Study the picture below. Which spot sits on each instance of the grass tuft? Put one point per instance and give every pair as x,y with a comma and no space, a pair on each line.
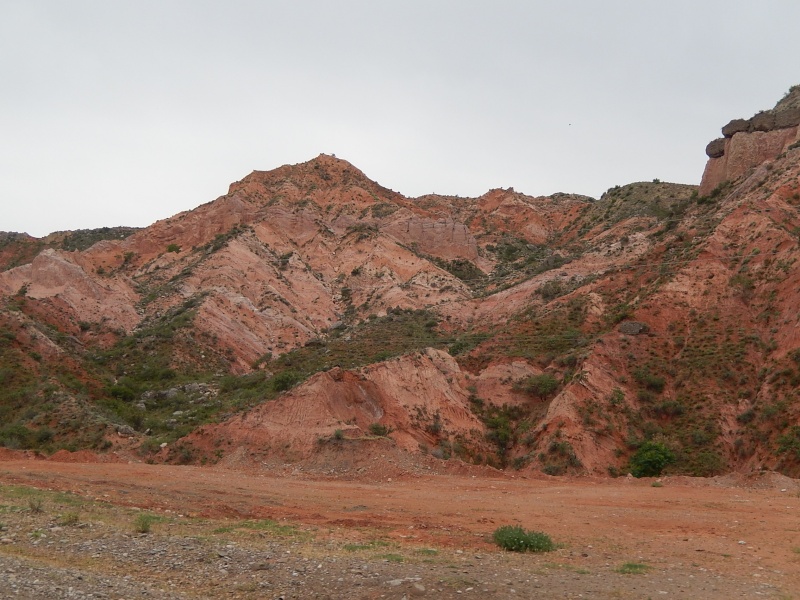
144,523
70,518
632,568
517,539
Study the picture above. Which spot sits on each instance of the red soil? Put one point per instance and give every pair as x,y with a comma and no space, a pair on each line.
738,527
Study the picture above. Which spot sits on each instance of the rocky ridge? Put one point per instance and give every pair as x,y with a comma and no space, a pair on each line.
311,308
747,143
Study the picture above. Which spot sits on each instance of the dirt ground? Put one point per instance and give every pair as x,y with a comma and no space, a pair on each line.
399,536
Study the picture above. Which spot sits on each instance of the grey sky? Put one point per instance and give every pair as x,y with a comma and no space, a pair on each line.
122,113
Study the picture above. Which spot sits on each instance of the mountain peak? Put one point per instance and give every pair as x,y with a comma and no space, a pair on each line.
323,171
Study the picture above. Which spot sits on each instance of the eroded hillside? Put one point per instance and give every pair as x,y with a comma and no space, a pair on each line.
311,310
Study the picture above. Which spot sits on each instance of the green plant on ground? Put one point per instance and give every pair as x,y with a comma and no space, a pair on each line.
649,380
379,429
632,568
35,505
271,527
790,442
366,545
540,385
466,342
143,523
501,425
285,381
462,268
81,239
650,459
70,518
516,539
391,557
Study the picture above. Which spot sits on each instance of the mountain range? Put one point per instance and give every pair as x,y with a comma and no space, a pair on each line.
311,316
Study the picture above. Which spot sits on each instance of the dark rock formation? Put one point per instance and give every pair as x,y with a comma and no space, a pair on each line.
633,328
785,114
748,143
763,121
716,148
735,126
787,118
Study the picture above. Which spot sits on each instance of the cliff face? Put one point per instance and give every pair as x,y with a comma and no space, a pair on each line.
747,143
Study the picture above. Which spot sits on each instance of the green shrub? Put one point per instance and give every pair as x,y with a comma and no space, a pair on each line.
550,290
540,385
465,343
650,459
16,436
35,505
143,523
790,442
652,382
122,392
669,408
70,518
517,539
173,248
285,380
380,429
706,464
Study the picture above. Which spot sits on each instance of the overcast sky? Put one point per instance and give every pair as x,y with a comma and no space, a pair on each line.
125,112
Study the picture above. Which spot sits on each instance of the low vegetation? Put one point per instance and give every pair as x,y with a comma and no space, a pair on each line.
144,523
650,459
516,539
632,568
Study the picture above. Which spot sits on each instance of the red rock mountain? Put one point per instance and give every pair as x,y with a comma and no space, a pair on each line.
311,311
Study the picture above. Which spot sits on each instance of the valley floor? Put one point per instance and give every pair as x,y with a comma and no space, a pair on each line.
79,530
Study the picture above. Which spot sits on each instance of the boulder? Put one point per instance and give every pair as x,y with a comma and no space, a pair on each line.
735,126
633,328
763,121
716,148
787,118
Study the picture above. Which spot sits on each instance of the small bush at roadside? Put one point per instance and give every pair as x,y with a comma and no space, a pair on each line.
143,523
650,459
70,518
517,539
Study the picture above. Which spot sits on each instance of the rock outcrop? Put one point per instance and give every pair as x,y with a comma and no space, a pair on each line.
747,143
